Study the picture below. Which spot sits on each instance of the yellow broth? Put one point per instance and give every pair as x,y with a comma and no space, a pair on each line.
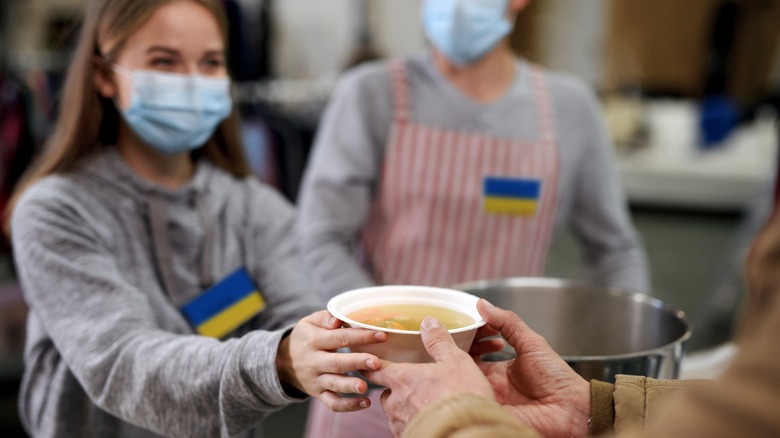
409,316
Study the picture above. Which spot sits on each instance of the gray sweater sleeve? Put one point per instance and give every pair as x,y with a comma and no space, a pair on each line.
103,328
278,261
341,177
613,251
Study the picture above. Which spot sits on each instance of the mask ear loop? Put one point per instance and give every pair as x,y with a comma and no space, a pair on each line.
121,70
102,63
118,69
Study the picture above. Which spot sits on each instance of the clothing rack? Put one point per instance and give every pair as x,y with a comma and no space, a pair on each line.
250,38
280,119
297,95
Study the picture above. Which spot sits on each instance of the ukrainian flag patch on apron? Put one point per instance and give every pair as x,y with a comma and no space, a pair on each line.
224,307
514,196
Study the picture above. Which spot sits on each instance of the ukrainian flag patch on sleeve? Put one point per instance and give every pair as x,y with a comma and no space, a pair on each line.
515,196
224,307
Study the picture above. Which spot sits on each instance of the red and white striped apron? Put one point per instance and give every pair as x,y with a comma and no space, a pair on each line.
427,225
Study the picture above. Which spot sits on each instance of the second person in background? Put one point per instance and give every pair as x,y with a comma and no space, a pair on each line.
455,165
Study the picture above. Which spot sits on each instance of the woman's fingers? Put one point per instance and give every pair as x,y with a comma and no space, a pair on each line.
342,384
343,338
324,319
347,337
343,404
387,374
340,363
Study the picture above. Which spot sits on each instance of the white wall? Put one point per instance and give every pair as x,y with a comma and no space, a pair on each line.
397,27
573,32
315,38
312,37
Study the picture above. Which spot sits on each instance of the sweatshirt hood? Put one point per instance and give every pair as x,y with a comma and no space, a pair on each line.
165,209
114,174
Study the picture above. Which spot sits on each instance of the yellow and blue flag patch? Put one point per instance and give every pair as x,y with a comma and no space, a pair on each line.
225,306
510,195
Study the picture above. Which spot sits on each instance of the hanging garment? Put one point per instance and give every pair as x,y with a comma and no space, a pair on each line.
17,146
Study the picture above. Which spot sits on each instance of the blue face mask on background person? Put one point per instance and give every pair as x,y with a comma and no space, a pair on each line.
465,30
175,113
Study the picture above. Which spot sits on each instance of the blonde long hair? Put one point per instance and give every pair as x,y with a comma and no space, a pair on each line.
88,122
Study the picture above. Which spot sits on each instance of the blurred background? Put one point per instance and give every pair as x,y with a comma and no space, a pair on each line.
690,93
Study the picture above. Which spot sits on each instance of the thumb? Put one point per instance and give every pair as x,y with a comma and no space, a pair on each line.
512,328
505,321
437,339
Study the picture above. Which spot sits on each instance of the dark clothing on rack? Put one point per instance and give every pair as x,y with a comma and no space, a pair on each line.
17,145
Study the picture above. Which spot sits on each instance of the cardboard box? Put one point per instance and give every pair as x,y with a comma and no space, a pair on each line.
665,46
755,49
526,37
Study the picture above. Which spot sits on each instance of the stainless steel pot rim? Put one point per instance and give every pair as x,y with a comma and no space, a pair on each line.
546,282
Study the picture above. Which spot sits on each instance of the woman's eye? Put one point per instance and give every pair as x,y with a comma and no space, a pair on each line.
213,65
162,62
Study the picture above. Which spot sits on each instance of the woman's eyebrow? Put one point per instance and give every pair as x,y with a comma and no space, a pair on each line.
162,49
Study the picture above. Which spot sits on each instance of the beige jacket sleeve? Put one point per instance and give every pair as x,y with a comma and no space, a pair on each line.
466,416
624,407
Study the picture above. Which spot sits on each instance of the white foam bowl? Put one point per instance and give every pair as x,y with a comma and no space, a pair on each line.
406,345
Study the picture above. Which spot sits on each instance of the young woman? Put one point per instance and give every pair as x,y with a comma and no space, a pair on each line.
164,288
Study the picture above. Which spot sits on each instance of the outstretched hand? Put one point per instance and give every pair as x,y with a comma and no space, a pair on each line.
538,387
307,360
413,387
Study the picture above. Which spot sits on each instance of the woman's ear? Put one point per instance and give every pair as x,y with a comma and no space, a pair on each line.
103,81
516,6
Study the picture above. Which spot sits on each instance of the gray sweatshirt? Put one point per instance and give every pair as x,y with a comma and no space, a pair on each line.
108,352
342,176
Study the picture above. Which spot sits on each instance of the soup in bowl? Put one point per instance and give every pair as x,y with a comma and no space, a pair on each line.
399,310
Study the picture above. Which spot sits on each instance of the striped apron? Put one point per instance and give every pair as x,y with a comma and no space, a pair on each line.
430,225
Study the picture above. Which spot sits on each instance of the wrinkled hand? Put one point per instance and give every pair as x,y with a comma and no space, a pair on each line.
538,387
307,360
413,387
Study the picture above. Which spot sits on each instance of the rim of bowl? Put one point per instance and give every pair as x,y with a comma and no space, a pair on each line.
332,302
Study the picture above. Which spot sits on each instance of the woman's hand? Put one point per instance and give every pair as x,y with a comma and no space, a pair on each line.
538,387
307,360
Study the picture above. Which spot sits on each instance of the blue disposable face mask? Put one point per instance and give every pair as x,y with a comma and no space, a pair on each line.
465,30
175,113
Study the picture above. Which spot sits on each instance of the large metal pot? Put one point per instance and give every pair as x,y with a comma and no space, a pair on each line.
599,332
